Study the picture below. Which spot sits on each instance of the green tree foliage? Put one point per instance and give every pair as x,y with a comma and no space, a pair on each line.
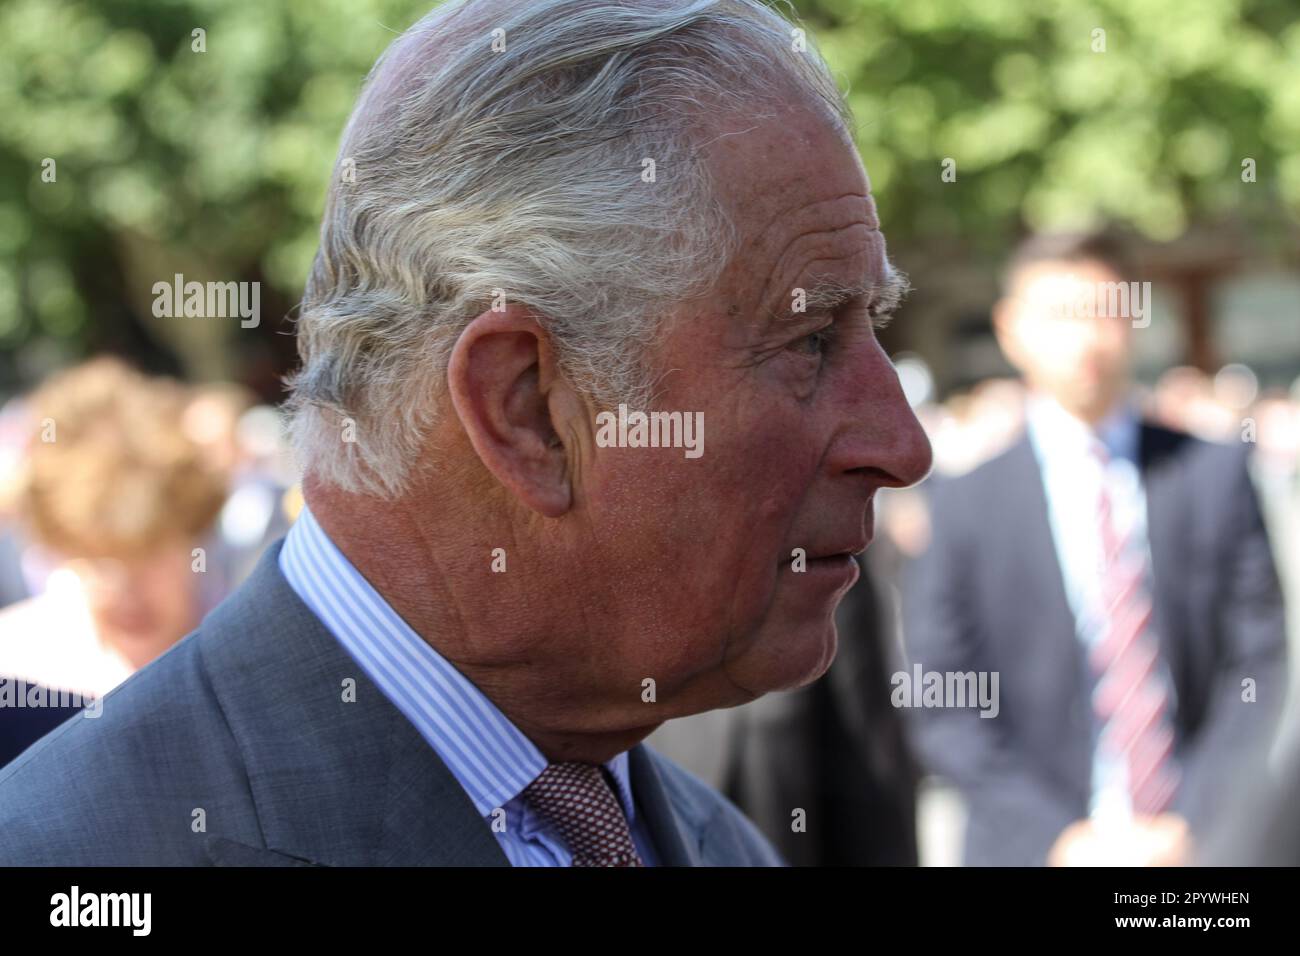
214,163
1059,113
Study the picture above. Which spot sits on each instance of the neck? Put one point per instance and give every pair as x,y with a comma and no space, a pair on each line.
432,563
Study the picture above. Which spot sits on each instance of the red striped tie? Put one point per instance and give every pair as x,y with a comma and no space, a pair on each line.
1130,698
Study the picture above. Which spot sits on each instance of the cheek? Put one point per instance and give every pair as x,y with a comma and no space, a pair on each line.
696,542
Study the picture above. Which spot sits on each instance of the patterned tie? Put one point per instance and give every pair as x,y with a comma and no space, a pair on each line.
577,800
1130,698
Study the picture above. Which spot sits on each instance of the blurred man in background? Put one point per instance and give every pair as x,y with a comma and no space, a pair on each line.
1116,575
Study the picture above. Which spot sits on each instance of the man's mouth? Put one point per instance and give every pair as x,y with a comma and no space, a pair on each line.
834,570
830,556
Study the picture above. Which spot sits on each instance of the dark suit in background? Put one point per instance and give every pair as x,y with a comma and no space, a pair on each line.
20,727
988,595
1263,827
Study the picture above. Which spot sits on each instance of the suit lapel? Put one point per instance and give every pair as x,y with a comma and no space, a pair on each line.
224,852
429,819
335,781
1156,449
1029,529
675,843
1157,455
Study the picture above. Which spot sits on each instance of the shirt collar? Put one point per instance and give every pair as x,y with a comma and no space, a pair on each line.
1059,436
489,756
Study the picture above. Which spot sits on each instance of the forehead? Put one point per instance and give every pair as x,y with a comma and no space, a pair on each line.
764,158
793,185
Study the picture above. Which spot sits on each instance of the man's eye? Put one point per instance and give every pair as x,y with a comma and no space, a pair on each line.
815,343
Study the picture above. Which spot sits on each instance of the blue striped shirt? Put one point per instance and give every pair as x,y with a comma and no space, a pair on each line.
491,758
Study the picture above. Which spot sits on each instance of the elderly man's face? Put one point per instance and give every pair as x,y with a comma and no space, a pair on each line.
803,421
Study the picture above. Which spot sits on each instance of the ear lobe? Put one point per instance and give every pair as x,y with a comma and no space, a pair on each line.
500,371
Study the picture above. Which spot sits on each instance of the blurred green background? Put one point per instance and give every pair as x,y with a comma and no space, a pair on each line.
214,164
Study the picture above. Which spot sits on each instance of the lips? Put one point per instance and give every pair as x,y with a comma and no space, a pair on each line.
852,550
829,545
830,573
832,553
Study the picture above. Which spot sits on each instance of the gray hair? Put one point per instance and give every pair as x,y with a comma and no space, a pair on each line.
469,173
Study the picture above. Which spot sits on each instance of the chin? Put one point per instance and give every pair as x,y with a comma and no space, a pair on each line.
792,659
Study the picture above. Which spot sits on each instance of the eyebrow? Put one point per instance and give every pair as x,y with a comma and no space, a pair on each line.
827,294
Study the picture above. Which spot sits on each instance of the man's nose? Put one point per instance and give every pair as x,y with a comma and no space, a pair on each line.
884,435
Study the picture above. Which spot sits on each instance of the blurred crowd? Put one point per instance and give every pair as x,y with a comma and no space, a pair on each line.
972,426
130,505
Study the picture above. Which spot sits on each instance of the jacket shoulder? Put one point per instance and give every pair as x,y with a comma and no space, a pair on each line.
127,781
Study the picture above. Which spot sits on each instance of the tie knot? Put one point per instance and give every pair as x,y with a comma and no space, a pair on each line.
577,800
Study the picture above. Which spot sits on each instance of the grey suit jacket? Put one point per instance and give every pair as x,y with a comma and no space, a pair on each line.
236,747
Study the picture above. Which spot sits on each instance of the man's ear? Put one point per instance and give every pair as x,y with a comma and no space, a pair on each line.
502,378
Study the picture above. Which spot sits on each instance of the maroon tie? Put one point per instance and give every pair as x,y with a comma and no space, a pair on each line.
1130,699
577,800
